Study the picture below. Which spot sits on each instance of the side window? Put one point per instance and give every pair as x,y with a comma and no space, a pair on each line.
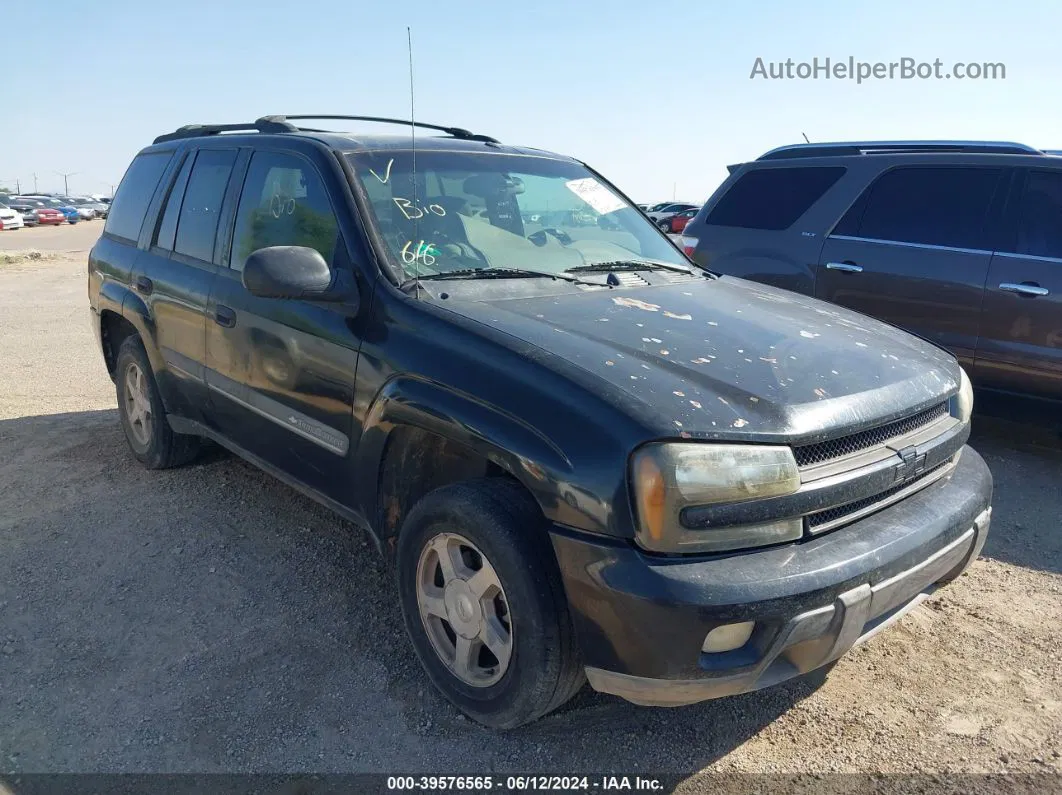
1040,227
167,230
130,203
934,206
284,203
773,198
197,224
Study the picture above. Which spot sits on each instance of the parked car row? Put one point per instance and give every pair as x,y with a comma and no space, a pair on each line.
45,209
670,217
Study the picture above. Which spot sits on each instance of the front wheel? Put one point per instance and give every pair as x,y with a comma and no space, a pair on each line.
484,605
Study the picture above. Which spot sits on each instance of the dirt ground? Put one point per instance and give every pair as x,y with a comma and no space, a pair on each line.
209,619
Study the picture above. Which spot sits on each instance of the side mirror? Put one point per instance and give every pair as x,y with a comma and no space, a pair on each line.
293,272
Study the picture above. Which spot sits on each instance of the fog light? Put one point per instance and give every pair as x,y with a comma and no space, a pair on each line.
728,637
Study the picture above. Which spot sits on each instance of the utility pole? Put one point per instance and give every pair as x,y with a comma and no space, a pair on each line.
34,182
66,177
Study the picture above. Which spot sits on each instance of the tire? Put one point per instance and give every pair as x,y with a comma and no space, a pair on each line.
503,524
143,416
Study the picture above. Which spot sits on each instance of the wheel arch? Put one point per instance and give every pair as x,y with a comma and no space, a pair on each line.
123,313
419,435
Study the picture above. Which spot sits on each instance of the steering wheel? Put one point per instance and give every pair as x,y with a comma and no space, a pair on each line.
541,237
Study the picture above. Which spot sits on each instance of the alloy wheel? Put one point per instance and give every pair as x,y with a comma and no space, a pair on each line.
464,610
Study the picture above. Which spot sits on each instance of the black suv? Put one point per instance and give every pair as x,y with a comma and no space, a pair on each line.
959,242
584,455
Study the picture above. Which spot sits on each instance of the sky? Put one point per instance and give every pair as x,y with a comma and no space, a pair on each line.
659,97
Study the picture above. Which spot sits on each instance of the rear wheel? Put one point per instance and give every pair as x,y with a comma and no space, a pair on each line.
484,605
142,414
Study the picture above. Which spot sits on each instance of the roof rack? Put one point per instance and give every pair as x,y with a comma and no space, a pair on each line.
456,132
897,147
282,124
266,124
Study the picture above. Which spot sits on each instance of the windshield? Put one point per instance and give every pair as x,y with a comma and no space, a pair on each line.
474,210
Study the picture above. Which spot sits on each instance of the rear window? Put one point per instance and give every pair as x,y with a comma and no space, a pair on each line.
134,194
772,198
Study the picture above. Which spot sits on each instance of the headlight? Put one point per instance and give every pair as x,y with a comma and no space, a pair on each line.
667,478
964,400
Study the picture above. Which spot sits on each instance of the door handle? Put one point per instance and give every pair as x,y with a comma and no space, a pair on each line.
144,285
224,316
846,267
1031,290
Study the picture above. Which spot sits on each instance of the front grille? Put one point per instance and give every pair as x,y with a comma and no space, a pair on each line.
811,454
817,521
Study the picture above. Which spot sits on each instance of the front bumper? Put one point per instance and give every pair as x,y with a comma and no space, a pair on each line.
641,620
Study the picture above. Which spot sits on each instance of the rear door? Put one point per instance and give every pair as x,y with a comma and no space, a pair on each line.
914,250
175,273
281,372
1020,348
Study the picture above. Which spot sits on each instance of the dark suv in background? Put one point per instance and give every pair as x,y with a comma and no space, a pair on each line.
958,242
586,457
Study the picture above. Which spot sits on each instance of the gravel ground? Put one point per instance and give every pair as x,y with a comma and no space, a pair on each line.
209,619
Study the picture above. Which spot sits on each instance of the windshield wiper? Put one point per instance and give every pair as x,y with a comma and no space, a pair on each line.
630,265
492,272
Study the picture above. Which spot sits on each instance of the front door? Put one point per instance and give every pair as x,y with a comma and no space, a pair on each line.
1020,348
281,372
914,251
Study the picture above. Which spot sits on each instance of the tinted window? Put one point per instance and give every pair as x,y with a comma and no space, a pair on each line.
134,194
197,225
284,203
168,227
772,198
934,206
1040,228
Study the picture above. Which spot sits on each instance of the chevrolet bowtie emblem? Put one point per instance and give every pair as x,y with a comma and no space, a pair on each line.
911,466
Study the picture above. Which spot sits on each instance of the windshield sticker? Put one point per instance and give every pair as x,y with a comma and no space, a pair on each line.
596,195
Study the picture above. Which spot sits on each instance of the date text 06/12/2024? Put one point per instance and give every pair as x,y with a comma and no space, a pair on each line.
522,783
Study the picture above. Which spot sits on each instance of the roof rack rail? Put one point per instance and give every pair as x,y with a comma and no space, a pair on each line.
897,147
456,132
282,124
266,124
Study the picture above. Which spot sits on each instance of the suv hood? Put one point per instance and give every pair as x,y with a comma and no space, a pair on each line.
728,358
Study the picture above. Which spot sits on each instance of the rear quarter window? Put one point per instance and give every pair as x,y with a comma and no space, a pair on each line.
773,198
131,201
